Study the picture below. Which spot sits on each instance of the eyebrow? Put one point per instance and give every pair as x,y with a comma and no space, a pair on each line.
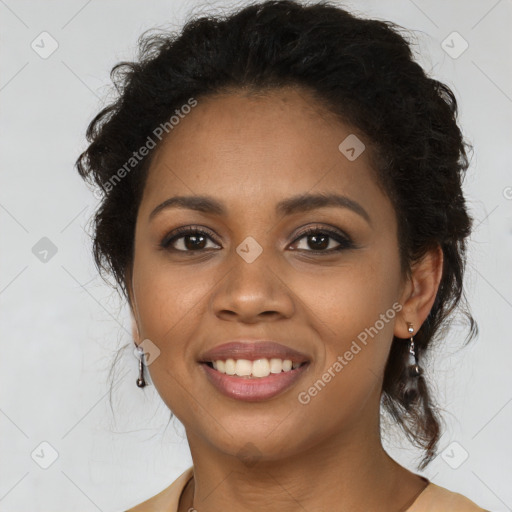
289,206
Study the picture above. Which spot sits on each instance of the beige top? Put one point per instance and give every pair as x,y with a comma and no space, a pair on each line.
432,499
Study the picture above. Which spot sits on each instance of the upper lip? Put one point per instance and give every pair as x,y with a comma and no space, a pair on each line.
252,350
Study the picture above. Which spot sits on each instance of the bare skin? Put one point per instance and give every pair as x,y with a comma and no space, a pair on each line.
250,153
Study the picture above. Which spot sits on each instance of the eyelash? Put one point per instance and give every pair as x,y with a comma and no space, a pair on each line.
344,241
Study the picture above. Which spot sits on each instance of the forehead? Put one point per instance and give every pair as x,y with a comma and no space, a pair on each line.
255,149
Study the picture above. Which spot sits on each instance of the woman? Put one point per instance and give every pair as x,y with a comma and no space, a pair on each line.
282,208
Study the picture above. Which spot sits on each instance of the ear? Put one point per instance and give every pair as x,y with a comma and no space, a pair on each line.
135,332
419,292
131,303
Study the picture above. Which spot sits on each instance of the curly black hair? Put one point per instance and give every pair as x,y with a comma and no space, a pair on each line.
363,72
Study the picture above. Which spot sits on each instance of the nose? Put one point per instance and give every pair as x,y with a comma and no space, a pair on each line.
252,292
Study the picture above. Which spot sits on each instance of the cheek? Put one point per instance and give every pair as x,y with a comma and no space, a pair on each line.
354,316
173,301
353,309
351,298
169,304
168,296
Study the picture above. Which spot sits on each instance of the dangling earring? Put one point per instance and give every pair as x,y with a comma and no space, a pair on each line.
410,389
413,369
140,381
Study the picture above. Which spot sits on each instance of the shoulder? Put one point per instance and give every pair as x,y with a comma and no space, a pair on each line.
167,499
435,498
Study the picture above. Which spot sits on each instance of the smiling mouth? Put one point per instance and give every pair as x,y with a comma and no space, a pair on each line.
254,369
253,380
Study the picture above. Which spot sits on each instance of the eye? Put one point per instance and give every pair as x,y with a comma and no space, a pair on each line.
194,239
319,239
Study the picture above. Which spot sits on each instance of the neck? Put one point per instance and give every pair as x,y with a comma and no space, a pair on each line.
348,471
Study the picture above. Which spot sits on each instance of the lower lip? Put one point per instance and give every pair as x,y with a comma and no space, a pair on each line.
253,389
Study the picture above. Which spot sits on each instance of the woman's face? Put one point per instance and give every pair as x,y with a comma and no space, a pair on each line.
255,275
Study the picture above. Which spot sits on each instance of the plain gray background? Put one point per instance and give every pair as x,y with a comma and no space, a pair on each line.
61,325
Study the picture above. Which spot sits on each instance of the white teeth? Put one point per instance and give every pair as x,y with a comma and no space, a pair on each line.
276,365
229,367
243,367
257,368
260,368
